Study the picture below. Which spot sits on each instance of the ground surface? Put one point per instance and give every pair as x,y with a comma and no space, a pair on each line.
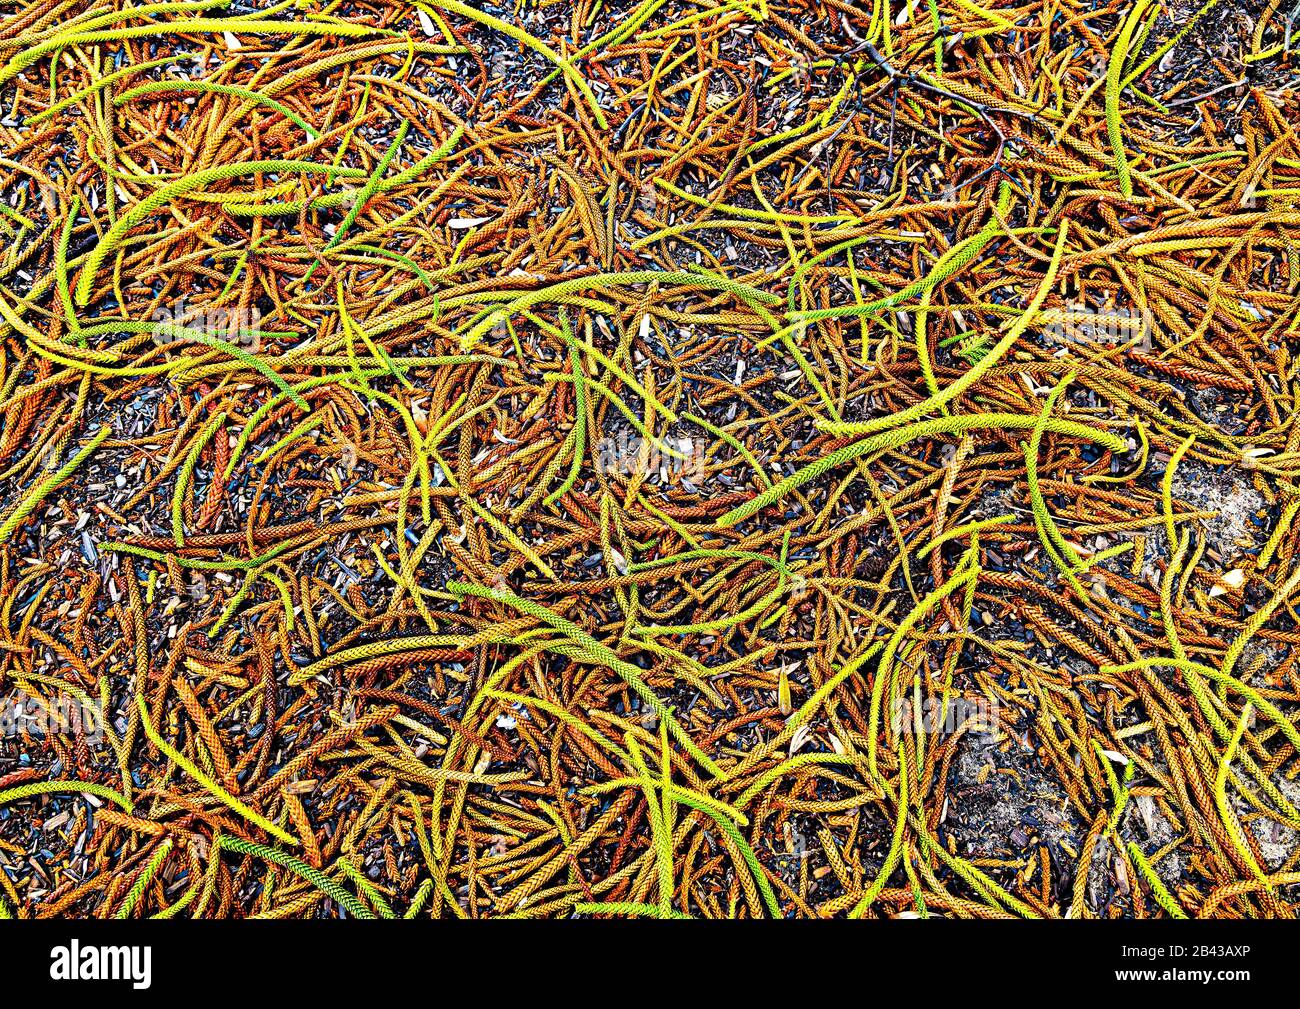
679,458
